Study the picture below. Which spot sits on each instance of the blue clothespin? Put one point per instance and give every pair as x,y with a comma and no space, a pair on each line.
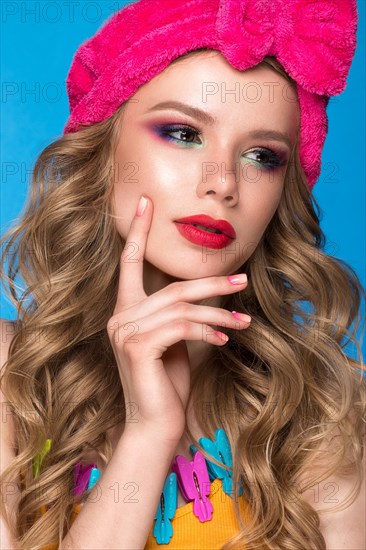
94,476
163,530
221,451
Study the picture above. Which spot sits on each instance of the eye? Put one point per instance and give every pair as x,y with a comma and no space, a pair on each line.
186,133
267,158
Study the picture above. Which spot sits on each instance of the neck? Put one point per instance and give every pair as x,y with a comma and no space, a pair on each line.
155,279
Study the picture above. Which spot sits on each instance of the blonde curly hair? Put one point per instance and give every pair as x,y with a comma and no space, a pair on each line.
283,389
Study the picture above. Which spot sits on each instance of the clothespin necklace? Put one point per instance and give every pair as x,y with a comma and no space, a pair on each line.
193,478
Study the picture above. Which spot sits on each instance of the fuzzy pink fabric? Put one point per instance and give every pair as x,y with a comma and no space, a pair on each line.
313,40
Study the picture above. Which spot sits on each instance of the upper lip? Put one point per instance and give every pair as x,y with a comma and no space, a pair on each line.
202,219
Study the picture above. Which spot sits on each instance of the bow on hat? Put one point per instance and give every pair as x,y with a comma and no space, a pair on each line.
314,41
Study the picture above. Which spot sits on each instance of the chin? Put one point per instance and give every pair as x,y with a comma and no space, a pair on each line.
189,271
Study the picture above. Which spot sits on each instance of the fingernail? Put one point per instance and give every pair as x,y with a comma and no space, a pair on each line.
221,335
238,279
242,316
141,206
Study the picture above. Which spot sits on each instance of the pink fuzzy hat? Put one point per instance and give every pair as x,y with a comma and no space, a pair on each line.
313,40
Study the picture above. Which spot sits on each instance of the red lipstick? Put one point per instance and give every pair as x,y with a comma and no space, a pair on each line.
207,231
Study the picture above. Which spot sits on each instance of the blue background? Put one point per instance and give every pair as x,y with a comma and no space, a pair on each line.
39,40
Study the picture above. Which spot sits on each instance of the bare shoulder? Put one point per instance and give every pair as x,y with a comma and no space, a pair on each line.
7,434
343,528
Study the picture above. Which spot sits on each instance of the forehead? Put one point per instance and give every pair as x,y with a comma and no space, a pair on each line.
206,80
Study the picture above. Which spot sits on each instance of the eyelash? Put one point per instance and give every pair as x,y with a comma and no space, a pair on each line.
275,159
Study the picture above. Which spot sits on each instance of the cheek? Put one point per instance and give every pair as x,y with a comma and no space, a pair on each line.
124,201
259,209
269,208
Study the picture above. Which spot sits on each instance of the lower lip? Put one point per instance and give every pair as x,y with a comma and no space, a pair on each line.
199,236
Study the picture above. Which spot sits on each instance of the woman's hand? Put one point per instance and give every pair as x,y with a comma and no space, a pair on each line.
143,328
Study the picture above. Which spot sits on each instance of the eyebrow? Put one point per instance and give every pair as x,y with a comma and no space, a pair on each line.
210,120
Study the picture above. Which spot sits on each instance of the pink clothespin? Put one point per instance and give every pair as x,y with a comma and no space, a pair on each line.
194,483
81,477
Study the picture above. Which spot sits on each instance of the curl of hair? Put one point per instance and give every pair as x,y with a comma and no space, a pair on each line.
283,389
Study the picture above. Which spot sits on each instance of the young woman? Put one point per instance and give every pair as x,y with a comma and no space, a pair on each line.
163,384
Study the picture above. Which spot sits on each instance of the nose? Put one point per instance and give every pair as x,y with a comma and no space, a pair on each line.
220,178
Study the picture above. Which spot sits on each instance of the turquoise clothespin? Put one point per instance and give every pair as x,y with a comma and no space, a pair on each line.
163,530
221,451
94,476
37,461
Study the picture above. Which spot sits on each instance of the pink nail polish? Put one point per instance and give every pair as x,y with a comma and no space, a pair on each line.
242,316
141,206
238,279
221,335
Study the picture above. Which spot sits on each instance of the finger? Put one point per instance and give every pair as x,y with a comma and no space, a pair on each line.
198,314
156,342
190,291
130,284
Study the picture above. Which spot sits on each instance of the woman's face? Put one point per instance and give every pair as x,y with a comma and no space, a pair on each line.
203,158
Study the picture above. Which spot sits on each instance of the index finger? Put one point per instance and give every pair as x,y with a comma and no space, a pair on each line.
131,284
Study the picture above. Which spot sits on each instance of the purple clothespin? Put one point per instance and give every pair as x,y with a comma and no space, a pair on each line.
194,483
81,477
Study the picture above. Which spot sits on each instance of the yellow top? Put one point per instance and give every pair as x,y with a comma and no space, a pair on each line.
189,532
